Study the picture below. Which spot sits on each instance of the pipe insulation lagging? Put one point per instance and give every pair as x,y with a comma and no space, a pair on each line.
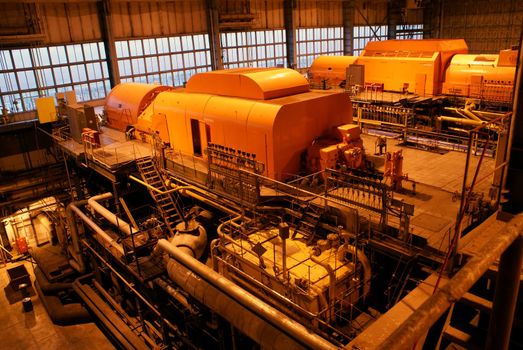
110,216
261,322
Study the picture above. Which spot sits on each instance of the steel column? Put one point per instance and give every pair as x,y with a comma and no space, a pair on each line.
348,27
507,286
290,32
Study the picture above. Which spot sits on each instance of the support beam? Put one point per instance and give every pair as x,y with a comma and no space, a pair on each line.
290,32
505,299
106,28
394,17
348,27
213,27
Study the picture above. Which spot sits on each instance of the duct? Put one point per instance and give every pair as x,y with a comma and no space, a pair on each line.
175,294
362,258
261,322
100,209
116,247
78,262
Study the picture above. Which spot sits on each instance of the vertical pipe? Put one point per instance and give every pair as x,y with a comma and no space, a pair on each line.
290,32
393,18
507,287
348,27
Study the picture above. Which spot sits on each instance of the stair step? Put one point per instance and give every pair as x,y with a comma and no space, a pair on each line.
477,302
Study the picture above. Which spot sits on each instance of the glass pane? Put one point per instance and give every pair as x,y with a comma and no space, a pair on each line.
138,66
78,73
5,60
42,56
135,47
149,46
61,75
74,52
22,58
94,71
151,64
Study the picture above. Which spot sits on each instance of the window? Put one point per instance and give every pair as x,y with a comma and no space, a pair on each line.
409,31
168,60
364,34
26,74
262,48
314,42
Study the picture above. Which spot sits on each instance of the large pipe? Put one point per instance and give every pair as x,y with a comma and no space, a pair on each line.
78,262
362,258
101,233
261,322
100,209
406,336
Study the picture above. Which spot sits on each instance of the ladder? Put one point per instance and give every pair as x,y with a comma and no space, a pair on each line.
168,203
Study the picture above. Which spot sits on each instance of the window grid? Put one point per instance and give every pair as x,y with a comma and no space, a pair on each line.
313,42
26,74
262,48
167,60
409,31
364,34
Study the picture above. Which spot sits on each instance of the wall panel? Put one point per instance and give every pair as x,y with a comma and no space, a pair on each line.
486,26
70,22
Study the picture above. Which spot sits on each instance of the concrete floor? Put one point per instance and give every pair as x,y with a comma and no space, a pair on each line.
34,330
437,177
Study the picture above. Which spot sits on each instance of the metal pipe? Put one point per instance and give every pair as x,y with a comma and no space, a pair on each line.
406,336
461,121
506,296
266,325
101,233
78,262
154,188
100,209
332,283
362,258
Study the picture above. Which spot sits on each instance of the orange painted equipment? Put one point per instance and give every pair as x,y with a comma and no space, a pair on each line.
393,171
251,83
482,76
331,69
277,130
126,101
409,65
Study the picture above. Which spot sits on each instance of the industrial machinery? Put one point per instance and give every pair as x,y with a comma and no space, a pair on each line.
416,87
255,221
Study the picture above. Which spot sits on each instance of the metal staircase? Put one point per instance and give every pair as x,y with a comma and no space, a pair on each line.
167,202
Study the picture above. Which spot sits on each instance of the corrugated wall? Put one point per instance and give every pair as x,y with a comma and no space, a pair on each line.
70,22
158,18
486,25
268,14
319,14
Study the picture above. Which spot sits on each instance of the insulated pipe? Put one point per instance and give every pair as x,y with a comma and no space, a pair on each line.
406,335
462,121
101,233
261,322
332,283
100,209
362,258
77,262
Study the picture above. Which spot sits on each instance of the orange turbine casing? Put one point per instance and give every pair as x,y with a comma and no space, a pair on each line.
277,130
126,101
416,64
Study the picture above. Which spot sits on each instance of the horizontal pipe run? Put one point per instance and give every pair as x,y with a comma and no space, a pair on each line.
406,336
111,217
101,233
291,328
